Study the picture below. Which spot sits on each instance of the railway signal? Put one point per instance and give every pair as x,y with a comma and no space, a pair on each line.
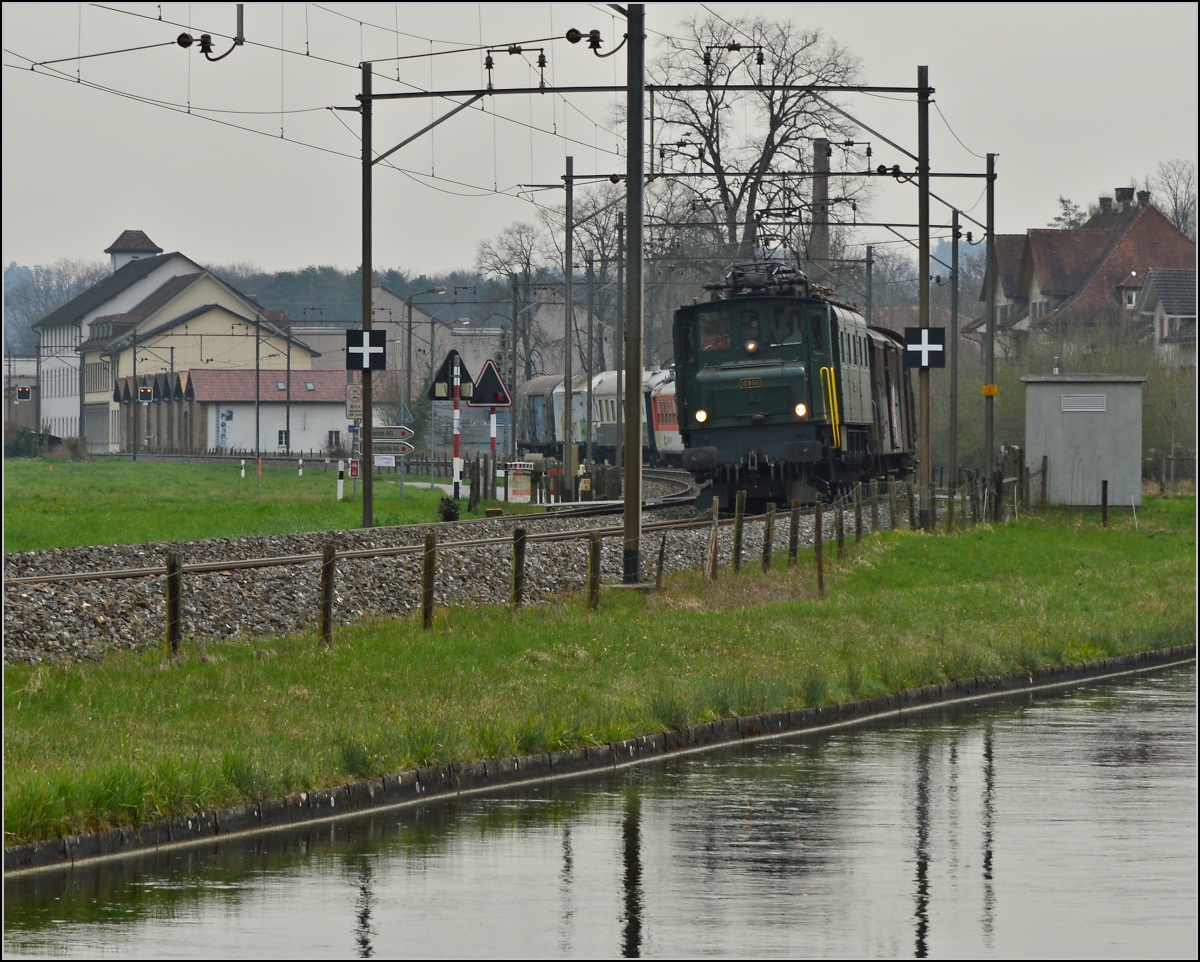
490,392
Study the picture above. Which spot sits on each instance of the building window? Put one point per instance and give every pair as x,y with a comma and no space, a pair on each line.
1130,298
283,439
335,440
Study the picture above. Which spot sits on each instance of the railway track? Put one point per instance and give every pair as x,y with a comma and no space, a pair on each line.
680,488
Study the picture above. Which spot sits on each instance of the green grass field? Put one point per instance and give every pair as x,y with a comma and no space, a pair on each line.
61,504
143,736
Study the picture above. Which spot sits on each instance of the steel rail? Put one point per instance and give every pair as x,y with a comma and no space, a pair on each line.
352,554
361,554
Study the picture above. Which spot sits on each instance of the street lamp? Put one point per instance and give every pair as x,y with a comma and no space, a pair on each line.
406,411
408,353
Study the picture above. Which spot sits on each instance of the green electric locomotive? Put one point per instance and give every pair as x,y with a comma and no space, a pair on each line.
786,393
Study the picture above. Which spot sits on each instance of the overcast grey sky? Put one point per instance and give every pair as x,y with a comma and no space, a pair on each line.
1074,98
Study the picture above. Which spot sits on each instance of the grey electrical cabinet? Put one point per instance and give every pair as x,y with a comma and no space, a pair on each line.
1089,429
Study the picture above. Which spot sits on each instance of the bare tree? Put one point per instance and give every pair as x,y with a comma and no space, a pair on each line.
517,255
30,293
1173,186
748,142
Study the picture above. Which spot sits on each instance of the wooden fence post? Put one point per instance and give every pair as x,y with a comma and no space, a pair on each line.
328,576
891,486
429,571
874,507
594,570
739,517
518,568
768,538
912,507
1045,479
858,514
1104,503
794,535
819,546
662,558
839,527
173,586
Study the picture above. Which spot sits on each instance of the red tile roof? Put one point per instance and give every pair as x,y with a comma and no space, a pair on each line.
1061,260
1150,241
217,386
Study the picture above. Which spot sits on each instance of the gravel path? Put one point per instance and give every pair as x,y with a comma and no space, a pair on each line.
83,621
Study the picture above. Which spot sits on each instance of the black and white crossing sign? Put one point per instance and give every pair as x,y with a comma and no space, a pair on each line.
924,347
490,389
366,350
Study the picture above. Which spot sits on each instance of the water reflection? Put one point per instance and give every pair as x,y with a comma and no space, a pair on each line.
882,841
989,787
631,848
363,932
922,913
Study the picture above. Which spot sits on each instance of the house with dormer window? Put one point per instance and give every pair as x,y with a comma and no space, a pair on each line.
1087,275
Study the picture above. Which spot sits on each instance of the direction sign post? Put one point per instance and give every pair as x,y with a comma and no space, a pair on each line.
393,439
401,448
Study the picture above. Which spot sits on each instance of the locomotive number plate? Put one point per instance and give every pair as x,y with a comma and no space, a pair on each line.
750,382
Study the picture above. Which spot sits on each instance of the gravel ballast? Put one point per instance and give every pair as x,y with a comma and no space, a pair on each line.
85,620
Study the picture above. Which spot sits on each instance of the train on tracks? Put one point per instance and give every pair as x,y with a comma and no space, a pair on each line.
786,393
541,403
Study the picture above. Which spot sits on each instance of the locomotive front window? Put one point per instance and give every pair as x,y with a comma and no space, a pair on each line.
714,332
815,321
784,326
750,331
686,342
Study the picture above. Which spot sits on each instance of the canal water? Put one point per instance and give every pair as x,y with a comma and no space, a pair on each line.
1060,825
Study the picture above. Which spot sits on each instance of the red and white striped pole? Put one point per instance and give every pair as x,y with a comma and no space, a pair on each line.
341,480
492,426
457,392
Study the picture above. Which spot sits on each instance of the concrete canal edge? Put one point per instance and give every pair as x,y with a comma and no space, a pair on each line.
458,778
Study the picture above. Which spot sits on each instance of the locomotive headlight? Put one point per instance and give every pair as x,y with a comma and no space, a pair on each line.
801,410
751,346
701,416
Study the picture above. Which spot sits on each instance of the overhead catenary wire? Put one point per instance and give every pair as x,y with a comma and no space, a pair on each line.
356,67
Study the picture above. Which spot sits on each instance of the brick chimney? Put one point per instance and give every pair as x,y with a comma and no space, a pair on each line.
1143,198
1105,205
1124,198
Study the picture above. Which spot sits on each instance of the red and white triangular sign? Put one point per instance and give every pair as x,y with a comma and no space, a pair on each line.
490,389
